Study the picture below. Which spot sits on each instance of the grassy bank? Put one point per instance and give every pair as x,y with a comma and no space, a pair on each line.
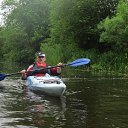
110,62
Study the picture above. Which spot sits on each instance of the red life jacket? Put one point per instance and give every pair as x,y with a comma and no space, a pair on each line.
38,65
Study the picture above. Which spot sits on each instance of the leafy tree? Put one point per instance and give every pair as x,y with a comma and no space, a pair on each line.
27,24
14,39
106,8
76,21
115,29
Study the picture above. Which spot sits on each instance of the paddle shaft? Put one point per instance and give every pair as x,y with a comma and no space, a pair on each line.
2,76
13,74
78,62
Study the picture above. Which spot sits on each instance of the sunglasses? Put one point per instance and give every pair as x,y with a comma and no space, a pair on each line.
41,56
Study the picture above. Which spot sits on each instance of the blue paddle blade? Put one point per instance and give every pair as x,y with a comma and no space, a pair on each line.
2,76
79,62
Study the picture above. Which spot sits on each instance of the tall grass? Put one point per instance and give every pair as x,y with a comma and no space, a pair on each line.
53,53
108,62
112,62
64,53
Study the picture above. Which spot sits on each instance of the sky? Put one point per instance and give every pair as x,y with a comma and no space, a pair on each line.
0,1
0,4
0,12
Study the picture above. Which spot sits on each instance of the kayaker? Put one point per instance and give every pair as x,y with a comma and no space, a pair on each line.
38,65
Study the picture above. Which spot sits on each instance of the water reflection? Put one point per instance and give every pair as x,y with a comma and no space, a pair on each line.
20,107
97,102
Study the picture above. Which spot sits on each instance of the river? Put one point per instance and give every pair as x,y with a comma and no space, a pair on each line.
90,101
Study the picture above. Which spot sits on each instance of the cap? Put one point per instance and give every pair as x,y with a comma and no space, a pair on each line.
39,54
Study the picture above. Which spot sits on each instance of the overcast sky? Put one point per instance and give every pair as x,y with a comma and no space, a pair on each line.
0,12
1,1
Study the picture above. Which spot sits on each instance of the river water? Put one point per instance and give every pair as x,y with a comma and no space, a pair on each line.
90,101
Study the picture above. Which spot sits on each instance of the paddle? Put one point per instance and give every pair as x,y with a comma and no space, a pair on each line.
78,62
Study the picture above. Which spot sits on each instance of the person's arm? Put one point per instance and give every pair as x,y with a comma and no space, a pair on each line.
25,73
24,76
57,70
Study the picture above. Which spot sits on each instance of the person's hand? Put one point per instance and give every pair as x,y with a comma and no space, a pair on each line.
23,71
59,67
60,64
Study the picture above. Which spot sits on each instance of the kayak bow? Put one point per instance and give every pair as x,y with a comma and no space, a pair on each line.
50,85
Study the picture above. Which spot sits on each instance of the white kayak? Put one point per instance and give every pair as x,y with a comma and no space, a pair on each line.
50,85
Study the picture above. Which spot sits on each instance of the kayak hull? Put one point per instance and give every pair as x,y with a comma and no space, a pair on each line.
47,84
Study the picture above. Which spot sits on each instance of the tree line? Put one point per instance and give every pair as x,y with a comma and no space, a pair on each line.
66,30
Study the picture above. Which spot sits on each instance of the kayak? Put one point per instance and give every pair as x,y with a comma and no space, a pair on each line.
50,85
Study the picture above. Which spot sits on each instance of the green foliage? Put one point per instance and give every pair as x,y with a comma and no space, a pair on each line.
60,16
78,19
115,29
107,8
14,48
53,53
66,30
26,26
58,52
111,62
64,53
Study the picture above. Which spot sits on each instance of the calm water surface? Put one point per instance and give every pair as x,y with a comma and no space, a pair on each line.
89,102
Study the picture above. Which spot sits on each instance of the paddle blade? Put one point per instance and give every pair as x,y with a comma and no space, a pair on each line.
79,62
2,77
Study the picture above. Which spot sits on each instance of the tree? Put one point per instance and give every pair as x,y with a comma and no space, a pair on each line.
115,29
27,24
76,21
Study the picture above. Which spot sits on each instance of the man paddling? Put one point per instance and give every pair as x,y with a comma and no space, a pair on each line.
40,68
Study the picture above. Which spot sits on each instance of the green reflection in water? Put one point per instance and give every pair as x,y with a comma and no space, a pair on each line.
90,102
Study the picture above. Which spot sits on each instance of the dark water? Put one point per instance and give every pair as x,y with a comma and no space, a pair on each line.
90,101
